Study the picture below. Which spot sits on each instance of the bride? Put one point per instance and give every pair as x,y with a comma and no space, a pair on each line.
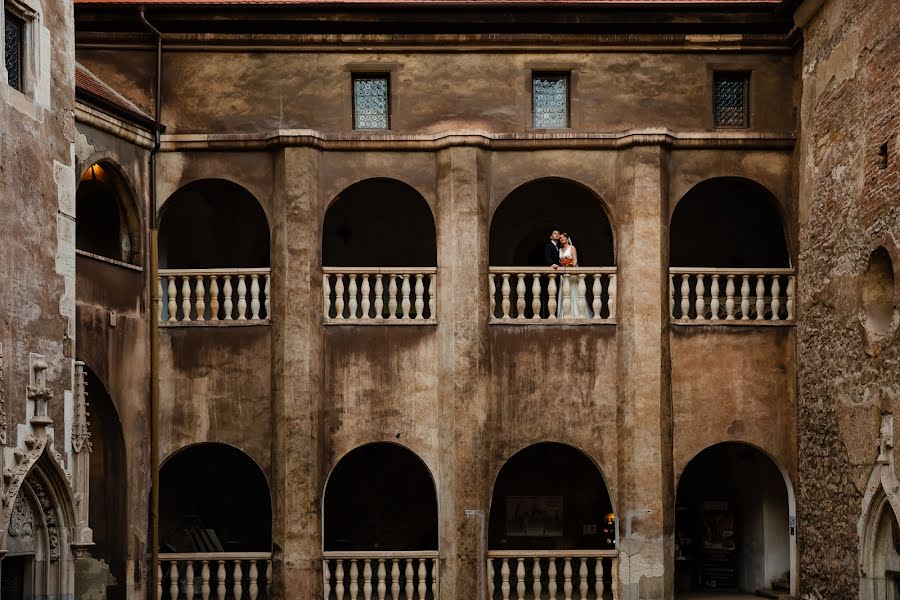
568,257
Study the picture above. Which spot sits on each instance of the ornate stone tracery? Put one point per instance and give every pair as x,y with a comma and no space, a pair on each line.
22,520
2,402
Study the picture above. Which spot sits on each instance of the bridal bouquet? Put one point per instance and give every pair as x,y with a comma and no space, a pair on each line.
567,262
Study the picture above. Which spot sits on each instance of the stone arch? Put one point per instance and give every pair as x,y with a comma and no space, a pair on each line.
728,222
879,524
192,518
521,223
399,513
213,223
741,484
108,218
379,222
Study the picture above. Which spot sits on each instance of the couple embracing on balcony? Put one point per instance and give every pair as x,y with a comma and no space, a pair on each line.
561,252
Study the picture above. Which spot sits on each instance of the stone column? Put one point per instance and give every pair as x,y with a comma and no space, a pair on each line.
463,490
296,373
645,497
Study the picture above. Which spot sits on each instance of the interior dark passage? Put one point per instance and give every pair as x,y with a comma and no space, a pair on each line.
380,497
106,222
213,224
550,497
731,522
728,222
108,484
522,224
194,515
379,223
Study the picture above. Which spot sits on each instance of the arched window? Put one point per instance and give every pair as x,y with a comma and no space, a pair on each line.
880,550
193,516
732,528
397,512
526,246
108,516
550,508
379,254
107,221
728,254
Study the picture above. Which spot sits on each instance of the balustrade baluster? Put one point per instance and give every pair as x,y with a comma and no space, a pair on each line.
381,588
189,580
366,304
367,580
745,297
173,580
339,580
729,298
776,298
520,578
229,305
435,578
268,574
551,579
581,296
204,580
253,587
566,296
536,578
615,581
520,296
404,304
567,579
159,580
504,290
354,580
214,298
186,298
432,295
420,297
611,292
200,303
173,304
254,297
536,296
790,298
238,576
392,297
504,579
423,575
714,302
583,579
326,576
408,574
266,292
242,297
395,579
685,296
598,578
597,290
352,291
379,296
551,296
220,580
671,295
326,294
700,301
760,298
339,296
159,297
490,578
492,287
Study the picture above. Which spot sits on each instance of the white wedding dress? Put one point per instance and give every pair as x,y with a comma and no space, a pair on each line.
575,311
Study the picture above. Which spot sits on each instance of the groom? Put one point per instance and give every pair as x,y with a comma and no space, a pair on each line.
551,250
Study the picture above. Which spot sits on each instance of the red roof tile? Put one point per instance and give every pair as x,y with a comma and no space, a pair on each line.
86,83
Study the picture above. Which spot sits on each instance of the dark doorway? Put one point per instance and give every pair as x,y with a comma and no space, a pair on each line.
107,223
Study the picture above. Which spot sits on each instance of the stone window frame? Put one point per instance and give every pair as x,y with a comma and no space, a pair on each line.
30,17
363,73
747,71
536,71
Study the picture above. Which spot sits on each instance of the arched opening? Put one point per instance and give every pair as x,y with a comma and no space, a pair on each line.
108,504
522,224
878,290
527,232
379,253
107,221
213,224
880,568
732,524
27,548
397,511
379,223
193,514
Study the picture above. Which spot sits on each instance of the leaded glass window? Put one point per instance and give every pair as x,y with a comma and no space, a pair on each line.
551,101
13,46
730,99
371,102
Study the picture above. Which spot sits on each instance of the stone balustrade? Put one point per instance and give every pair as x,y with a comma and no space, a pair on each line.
552,574
567,295
375,296
214,295
379,575
733,296
214,575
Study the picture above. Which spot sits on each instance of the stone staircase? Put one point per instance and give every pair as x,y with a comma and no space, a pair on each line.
779,589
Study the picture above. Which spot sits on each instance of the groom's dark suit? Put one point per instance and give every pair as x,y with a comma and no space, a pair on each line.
551,254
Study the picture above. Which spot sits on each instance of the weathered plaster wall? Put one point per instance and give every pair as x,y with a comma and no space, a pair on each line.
848,206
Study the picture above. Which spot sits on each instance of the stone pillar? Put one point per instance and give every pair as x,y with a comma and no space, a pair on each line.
462,312
296,373
645,504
